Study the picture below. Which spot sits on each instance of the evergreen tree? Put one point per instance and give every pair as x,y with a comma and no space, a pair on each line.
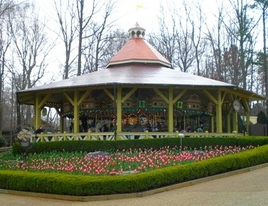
262,118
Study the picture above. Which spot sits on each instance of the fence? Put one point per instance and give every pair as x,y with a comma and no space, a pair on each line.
110,136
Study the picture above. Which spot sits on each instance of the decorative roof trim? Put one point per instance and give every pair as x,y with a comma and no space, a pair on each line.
141,61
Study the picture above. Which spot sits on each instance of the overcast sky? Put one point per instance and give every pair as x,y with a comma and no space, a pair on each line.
148,11
127,14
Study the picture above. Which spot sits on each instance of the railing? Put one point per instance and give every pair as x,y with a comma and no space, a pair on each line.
4,149
124,135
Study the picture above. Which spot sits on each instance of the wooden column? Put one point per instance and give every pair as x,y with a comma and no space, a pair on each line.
62,124
119,109
235,122
219,113
76,102
247,109
170,110
37,112
212,124
228,123
76,112
229,115
39,104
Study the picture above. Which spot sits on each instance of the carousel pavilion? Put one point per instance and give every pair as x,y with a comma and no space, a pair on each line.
140,91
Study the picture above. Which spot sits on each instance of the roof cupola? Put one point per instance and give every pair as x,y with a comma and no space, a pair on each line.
136,32
138,51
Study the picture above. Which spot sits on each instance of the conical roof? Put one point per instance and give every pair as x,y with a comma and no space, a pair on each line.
138,50
137,63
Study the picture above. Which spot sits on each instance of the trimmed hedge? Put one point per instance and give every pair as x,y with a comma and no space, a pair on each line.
81,185
91,146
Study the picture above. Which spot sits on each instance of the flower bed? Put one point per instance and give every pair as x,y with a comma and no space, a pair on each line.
114,163
68,183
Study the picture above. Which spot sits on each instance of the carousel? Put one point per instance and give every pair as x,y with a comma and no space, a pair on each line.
139,91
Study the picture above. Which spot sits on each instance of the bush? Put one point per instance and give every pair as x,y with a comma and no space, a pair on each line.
80,185
91,146
3,142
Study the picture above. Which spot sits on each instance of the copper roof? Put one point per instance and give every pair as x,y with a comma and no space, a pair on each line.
138,50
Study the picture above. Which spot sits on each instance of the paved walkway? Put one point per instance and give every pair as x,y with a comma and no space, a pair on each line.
243,188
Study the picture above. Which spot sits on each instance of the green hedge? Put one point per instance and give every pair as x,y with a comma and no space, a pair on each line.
80,185
90,146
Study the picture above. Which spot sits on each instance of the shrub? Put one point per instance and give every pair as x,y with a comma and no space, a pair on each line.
3,141
80,185
91,146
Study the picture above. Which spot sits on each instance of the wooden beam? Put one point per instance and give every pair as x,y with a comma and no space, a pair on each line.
83,97
39,104
129,94
212,98
109,94
179,96
161,95
42,102
68,98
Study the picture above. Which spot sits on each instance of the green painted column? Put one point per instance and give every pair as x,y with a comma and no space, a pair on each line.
170,110
247,123
247,109
76,112
37,112
39,104
236,121
119,109
61,124
62,120
219,113
212,124
228,123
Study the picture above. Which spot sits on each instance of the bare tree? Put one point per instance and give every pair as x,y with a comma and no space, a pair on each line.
233,44
68,31
240,32
97,55
30,49
6,7
198,42
114,42
263,5
83,23
185,47
165,40
231,61
215,38
96,41
174,39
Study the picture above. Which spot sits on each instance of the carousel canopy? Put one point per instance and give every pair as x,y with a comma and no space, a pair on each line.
137,63
141,74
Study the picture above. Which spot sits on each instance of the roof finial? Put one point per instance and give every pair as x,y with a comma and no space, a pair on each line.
137,31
